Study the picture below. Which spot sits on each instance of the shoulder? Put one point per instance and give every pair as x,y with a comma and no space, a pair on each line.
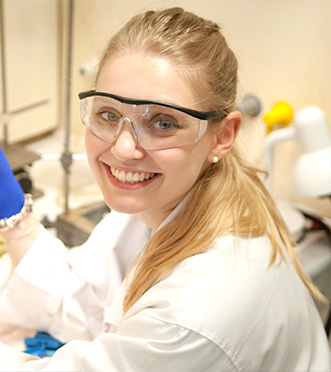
230,296
217,285
233,271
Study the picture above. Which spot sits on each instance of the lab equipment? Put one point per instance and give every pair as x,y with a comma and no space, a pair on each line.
312,176
313,170
280,115
89,69
250,105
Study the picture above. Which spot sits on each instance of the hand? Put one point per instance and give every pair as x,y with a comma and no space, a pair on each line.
11,194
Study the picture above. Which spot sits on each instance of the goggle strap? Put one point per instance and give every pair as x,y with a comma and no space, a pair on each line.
197,114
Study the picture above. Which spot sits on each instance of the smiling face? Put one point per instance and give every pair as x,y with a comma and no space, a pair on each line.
132,179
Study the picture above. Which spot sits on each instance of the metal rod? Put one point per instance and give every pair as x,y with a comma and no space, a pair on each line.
66,156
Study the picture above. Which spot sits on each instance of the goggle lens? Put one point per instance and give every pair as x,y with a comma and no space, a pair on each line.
154,126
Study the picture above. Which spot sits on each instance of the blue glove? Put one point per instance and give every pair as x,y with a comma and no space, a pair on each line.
11,194
42,345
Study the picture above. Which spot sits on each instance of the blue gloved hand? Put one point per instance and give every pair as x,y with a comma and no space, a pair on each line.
11,194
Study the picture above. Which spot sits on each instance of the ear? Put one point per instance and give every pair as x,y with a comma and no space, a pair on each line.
225,134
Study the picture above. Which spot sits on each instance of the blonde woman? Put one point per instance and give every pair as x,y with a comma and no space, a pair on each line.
194,269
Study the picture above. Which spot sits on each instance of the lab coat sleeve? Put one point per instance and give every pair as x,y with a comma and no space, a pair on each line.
59,291
142,344
12,360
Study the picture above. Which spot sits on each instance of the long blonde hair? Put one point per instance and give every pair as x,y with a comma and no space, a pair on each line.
229,198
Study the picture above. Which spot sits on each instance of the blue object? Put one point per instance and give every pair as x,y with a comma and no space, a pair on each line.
11,194
42,345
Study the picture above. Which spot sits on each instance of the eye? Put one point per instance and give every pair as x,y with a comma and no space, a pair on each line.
109,115
164,123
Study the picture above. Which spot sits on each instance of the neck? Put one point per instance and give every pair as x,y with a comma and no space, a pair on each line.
153,218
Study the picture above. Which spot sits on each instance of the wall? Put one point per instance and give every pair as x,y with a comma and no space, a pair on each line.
29,80
284,52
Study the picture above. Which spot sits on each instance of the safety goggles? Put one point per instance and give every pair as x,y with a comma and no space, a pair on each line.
155,125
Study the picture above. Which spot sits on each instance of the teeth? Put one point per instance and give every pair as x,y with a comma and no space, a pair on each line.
131,177
141,176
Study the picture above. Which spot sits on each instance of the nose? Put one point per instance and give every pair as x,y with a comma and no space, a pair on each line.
126,145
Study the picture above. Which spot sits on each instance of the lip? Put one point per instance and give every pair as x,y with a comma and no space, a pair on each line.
129,186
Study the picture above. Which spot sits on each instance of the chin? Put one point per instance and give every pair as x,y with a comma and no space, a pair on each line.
126,205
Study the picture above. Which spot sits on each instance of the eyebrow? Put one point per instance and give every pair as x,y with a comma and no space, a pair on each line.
202,115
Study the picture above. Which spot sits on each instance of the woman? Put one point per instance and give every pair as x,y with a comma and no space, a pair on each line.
193,270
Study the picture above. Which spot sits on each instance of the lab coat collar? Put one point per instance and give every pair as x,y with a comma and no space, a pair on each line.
114,312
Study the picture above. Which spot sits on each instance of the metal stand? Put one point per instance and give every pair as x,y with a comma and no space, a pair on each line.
66,157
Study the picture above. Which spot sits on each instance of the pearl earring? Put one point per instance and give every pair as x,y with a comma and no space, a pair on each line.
215,159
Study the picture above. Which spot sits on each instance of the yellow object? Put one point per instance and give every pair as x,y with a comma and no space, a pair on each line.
281,114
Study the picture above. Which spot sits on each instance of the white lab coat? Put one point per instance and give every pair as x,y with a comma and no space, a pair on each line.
222,310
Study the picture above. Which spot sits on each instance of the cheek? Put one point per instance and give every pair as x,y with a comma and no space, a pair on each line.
90,142
94,146
201,152
184,163
171,160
